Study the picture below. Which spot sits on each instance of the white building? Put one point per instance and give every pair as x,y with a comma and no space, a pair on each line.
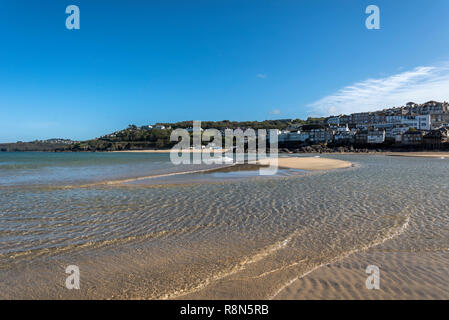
334,121
397,133
286,136
343,129
417,122
321,135
344,136
376,137
393,118
191,129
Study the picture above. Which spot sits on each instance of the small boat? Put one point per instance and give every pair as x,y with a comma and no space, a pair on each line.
228,160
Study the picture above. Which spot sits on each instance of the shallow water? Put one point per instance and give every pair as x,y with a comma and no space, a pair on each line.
221,238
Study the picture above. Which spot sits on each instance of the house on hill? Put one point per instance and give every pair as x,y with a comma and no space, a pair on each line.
413,137
435,138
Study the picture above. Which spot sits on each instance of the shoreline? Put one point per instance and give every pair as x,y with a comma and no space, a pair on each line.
169,150
435,154
418,154
301,163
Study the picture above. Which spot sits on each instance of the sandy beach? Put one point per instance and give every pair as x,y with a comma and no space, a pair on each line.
414,264
302,163
170,150
309,163
420,154
403,275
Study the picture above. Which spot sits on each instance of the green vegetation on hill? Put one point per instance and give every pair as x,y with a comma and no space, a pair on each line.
140,138
34,146
226,124
131,138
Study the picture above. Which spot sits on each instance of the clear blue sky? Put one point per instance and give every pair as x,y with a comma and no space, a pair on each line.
160,61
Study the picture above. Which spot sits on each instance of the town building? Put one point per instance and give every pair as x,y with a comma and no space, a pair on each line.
344,136
397,132
411,124
435,138
375,137
321,135
334,121
413,137
419,122
361,137
294,127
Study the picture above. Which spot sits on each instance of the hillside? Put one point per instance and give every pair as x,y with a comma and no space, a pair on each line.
144,137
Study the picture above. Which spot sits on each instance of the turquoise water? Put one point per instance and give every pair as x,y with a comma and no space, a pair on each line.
25,168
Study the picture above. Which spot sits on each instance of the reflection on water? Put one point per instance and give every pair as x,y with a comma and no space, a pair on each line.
244,234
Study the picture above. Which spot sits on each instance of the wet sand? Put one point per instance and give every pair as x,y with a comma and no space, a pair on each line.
413,264
420,154
403,275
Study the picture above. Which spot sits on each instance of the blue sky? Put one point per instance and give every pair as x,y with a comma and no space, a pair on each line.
160,61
